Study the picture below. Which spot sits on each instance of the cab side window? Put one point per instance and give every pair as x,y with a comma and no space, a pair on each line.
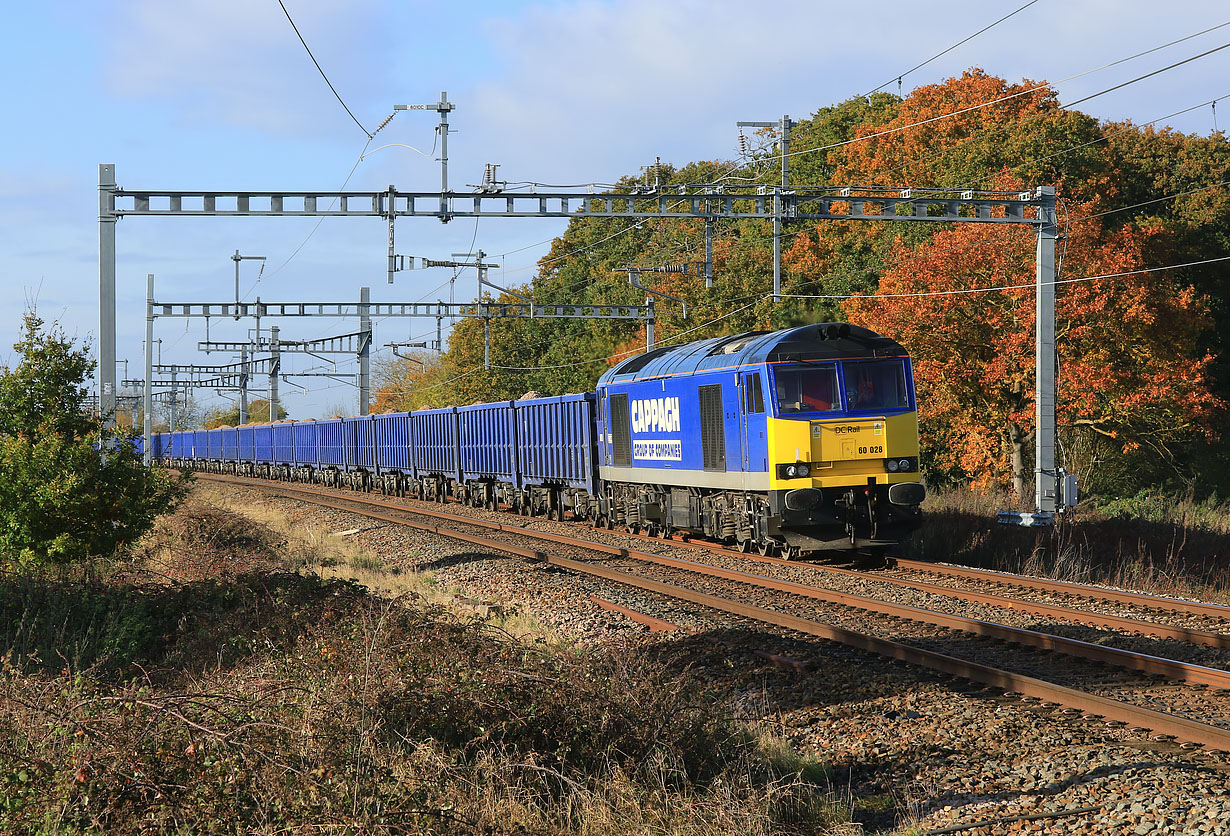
754,395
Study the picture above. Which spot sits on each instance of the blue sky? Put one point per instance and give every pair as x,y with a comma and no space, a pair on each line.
219,94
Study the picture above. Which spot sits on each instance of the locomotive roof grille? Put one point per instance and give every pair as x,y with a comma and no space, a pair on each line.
821,341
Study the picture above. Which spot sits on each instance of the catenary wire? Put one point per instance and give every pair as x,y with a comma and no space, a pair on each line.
974,290
315,226
321,70
991,133
1068,220
835,297
1103,138
964,291
950,49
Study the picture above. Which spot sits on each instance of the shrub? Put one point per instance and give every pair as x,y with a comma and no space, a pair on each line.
70,489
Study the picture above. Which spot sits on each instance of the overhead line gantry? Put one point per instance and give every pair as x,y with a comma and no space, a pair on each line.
708,202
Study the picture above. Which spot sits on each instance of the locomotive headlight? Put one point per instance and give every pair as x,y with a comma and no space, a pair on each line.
904,465
804,470
892,466
791,471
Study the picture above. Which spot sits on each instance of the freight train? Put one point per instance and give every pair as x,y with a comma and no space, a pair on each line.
789,442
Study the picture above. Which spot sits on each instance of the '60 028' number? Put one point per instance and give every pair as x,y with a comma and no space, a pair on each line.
863,451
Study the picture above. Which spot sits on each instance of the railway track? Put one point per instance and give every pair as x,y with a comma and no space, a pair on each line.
1214,632
1047,668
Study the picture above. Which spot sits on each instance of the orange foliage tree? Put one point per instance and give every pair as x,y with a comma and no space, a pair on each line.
1129,365
1019,134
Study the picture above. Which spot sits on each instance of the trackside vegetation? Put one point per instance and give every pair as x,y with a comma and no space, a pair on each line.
61,502
223,693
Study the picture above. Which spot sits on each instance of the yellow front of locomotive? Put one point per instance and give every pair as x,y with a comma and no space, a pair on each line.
843,451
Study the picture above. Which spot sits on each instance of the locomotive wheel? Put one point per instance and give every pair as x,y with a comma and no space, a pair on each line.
608,523
651,530
745,546
767,548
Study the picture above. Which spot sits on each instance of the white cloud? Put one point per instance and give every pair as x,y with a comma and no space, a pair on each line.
595,89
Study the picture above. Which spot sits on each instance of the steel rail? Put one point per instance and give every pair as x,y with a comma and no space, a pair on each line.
655,625
1206,638
1115,622
1155,602
1158,722
1083,590
1144,663
1130,625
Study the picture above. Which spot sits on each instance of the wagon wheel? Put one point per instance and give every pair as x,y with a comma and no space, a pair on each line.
745,546
767,548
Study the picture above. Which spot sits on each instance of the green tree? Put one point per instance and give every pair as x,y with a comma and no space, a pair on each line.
258,413
61,501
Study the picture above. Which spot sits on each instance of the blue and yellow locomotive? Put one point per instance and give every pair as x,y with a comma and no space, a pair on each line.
787,442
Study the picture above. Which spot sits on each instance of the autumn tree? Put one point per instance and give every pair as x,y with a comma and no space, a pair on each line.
965,131
406,383
1130,368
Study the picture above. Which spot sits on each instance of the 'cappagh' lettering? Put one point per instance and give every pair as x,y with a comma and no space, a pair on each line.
656,415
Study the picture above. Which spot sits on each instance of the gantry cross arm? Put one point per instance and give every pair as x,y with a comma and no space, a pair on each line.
708,202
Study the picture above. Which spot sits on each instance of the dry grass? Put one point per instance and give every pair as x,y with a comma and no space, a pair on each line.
1158,545
271,701
321,551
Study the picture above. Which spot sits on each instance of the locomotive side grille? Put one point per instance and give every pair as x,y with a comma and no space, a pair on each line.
712,427
621,432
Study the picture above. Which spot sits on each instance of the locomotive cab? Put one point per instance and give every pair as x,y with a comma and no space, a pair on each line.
844,442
